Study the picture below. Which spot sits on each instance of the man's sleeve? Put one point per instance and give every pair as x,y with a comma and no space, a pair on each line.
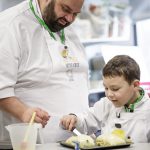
9,62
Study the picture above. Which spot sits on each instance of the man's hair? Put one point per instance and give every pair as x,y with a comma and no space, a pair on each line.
122,65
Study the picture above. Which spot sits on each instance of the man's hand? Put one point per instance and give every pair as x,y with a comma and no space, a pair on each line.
41,116
68,122
22,111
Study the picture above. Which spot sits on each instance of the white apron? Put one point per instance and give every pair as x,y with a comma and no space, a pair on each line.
70,93
44,81
66,91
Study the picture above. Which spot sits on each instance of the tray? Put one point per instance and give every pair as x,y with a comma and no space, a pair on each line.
63,143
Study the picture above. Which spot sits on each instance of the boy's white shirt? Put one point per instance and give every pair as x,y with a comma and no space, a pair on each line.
103,116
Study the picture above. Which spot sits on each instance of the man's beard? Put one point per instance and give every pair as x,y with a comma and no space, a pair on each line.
51,19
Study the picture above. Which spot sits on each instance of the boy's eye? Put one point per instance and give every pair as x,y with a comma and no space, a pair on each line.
106,89
115,89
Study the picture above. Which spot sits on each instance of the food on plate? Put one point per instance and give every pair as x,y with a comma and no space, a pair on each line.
116,137
109,140
83,140
71,140
120,133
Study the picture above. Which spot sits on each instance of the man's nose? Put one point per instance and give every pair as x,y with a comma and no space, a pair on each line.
70,17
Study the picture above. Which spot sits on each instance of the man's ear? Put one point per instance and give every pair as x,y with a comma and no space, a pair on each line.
136,83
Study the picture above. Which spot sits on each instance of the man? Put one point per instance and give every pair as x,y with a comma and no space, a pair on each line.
43,66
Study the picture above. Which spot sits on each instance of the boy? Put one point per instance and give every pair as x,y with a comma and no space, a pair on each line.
125,106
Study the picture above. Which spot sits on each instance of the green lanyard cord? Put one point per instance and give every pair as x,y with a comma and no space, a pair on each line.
131,106
62,37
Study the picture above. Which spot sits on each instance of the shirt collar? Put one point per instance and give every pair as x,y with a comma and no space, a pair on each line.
37,8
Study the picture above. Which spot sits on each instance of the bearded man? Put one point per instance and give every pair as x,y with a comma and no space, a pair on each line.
43,65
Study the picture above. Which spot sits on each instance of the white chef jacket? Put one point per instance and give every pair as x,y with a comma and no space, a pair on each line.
33,69
104,115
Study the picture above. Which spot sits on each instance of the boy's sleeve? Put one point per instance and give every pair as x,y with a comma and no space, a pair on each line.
90,121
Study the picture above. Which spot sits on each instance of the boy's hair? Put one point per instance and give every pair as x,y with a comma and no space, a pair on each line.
122,65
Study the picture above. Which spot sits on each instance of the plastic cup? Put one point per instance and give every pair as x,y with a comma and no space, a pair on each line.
17,133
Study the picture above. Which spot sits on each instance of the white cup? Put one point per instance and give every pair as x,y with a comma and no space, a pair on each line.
17,134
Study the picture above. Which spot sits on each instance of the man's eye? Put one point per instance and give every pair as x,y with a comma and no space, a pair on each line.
75,14
65,9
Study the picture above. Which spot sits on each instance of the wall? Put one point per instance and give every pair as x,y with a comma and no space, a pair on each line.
143,40
8,3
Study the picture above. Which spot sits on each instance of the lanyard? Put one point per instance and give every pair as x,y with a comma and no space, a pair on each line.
62,36
130,108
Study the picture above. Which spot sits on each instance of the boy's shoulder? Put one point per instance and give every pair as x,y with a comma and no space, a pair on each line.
105,103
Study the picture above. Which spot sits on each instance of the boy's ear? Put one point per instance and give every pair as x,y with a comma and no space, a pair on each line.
136,83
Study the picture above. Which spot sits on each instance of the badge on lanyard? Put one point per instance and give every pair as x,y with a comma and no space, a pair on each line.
65,52
71,62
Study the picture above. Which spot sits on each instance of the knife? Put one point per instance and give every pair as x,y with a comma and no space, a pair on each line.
76,132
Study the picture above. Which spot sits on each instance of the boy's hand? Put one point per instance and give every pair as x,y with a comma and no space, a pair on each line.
68,122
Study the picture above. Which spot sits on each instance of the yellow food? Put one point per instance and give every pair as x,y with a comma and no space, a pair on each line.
83,140
109,140
120,133
116,137
71,140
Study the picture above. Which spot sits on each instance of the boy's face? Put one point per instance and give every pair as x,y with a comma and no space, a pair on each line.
118,90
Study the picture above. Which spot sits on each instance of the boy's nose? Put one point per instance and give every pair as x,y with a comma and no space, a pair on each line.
110,94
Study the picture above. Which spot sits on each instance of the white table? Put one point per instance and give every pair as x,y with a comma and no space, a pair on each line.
57,146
